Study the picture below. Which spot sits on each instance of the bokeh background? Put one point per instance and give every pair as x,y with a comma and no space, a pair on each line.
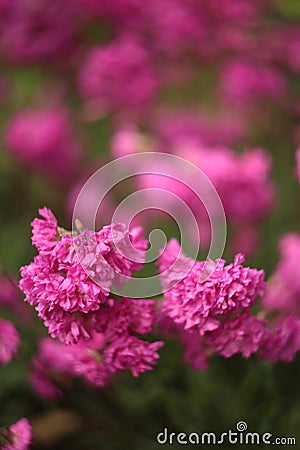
84,81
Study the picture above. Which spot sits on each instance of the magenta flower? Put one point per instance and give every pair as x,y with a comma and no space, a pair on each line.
244,334
283,340
9,341
46,31
59,282
112,348
44,140
203,306
51,368
283,290
246,81
119,76
18,436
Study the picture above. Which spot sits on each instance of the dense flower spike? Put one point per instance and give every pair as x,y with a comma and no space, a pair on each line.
209,308
113,347
9,341
18,436
58,284
202,306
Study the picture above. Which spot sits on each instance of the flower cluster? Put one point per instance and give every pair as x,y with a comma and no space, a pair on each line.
17,437
9,341
114,347
59,282
210,311
204,306
108,69
283,291
44,139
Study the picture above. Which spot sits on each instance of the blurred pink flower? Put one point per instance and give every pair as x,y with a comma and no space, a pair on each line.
283,293
39,31
44,140
9,341
19,435
119,76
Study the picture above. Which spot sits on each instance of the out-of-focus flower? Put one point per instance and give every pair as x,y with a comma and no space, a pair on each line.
11,298
242,180
44,140
50,368
9,341
181,128
39,31
244,334
246,81
18,436
283,340
119,77
283,293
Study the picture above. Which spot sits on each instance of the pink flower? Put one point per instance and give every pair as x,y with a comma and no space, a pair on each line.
195,352
9,341
245,81
44,140
283,340
44,31
114,346
18,436
200,302
132,353
244,334
284,285
51,368
119,76
184,127
70,278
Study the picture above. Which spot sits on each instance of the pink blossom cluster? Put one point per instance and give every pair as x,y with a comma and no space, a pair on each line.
246,81
9,341
17,437
283,293
210,311
58,283
33,31
108,69
44,139
115,346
